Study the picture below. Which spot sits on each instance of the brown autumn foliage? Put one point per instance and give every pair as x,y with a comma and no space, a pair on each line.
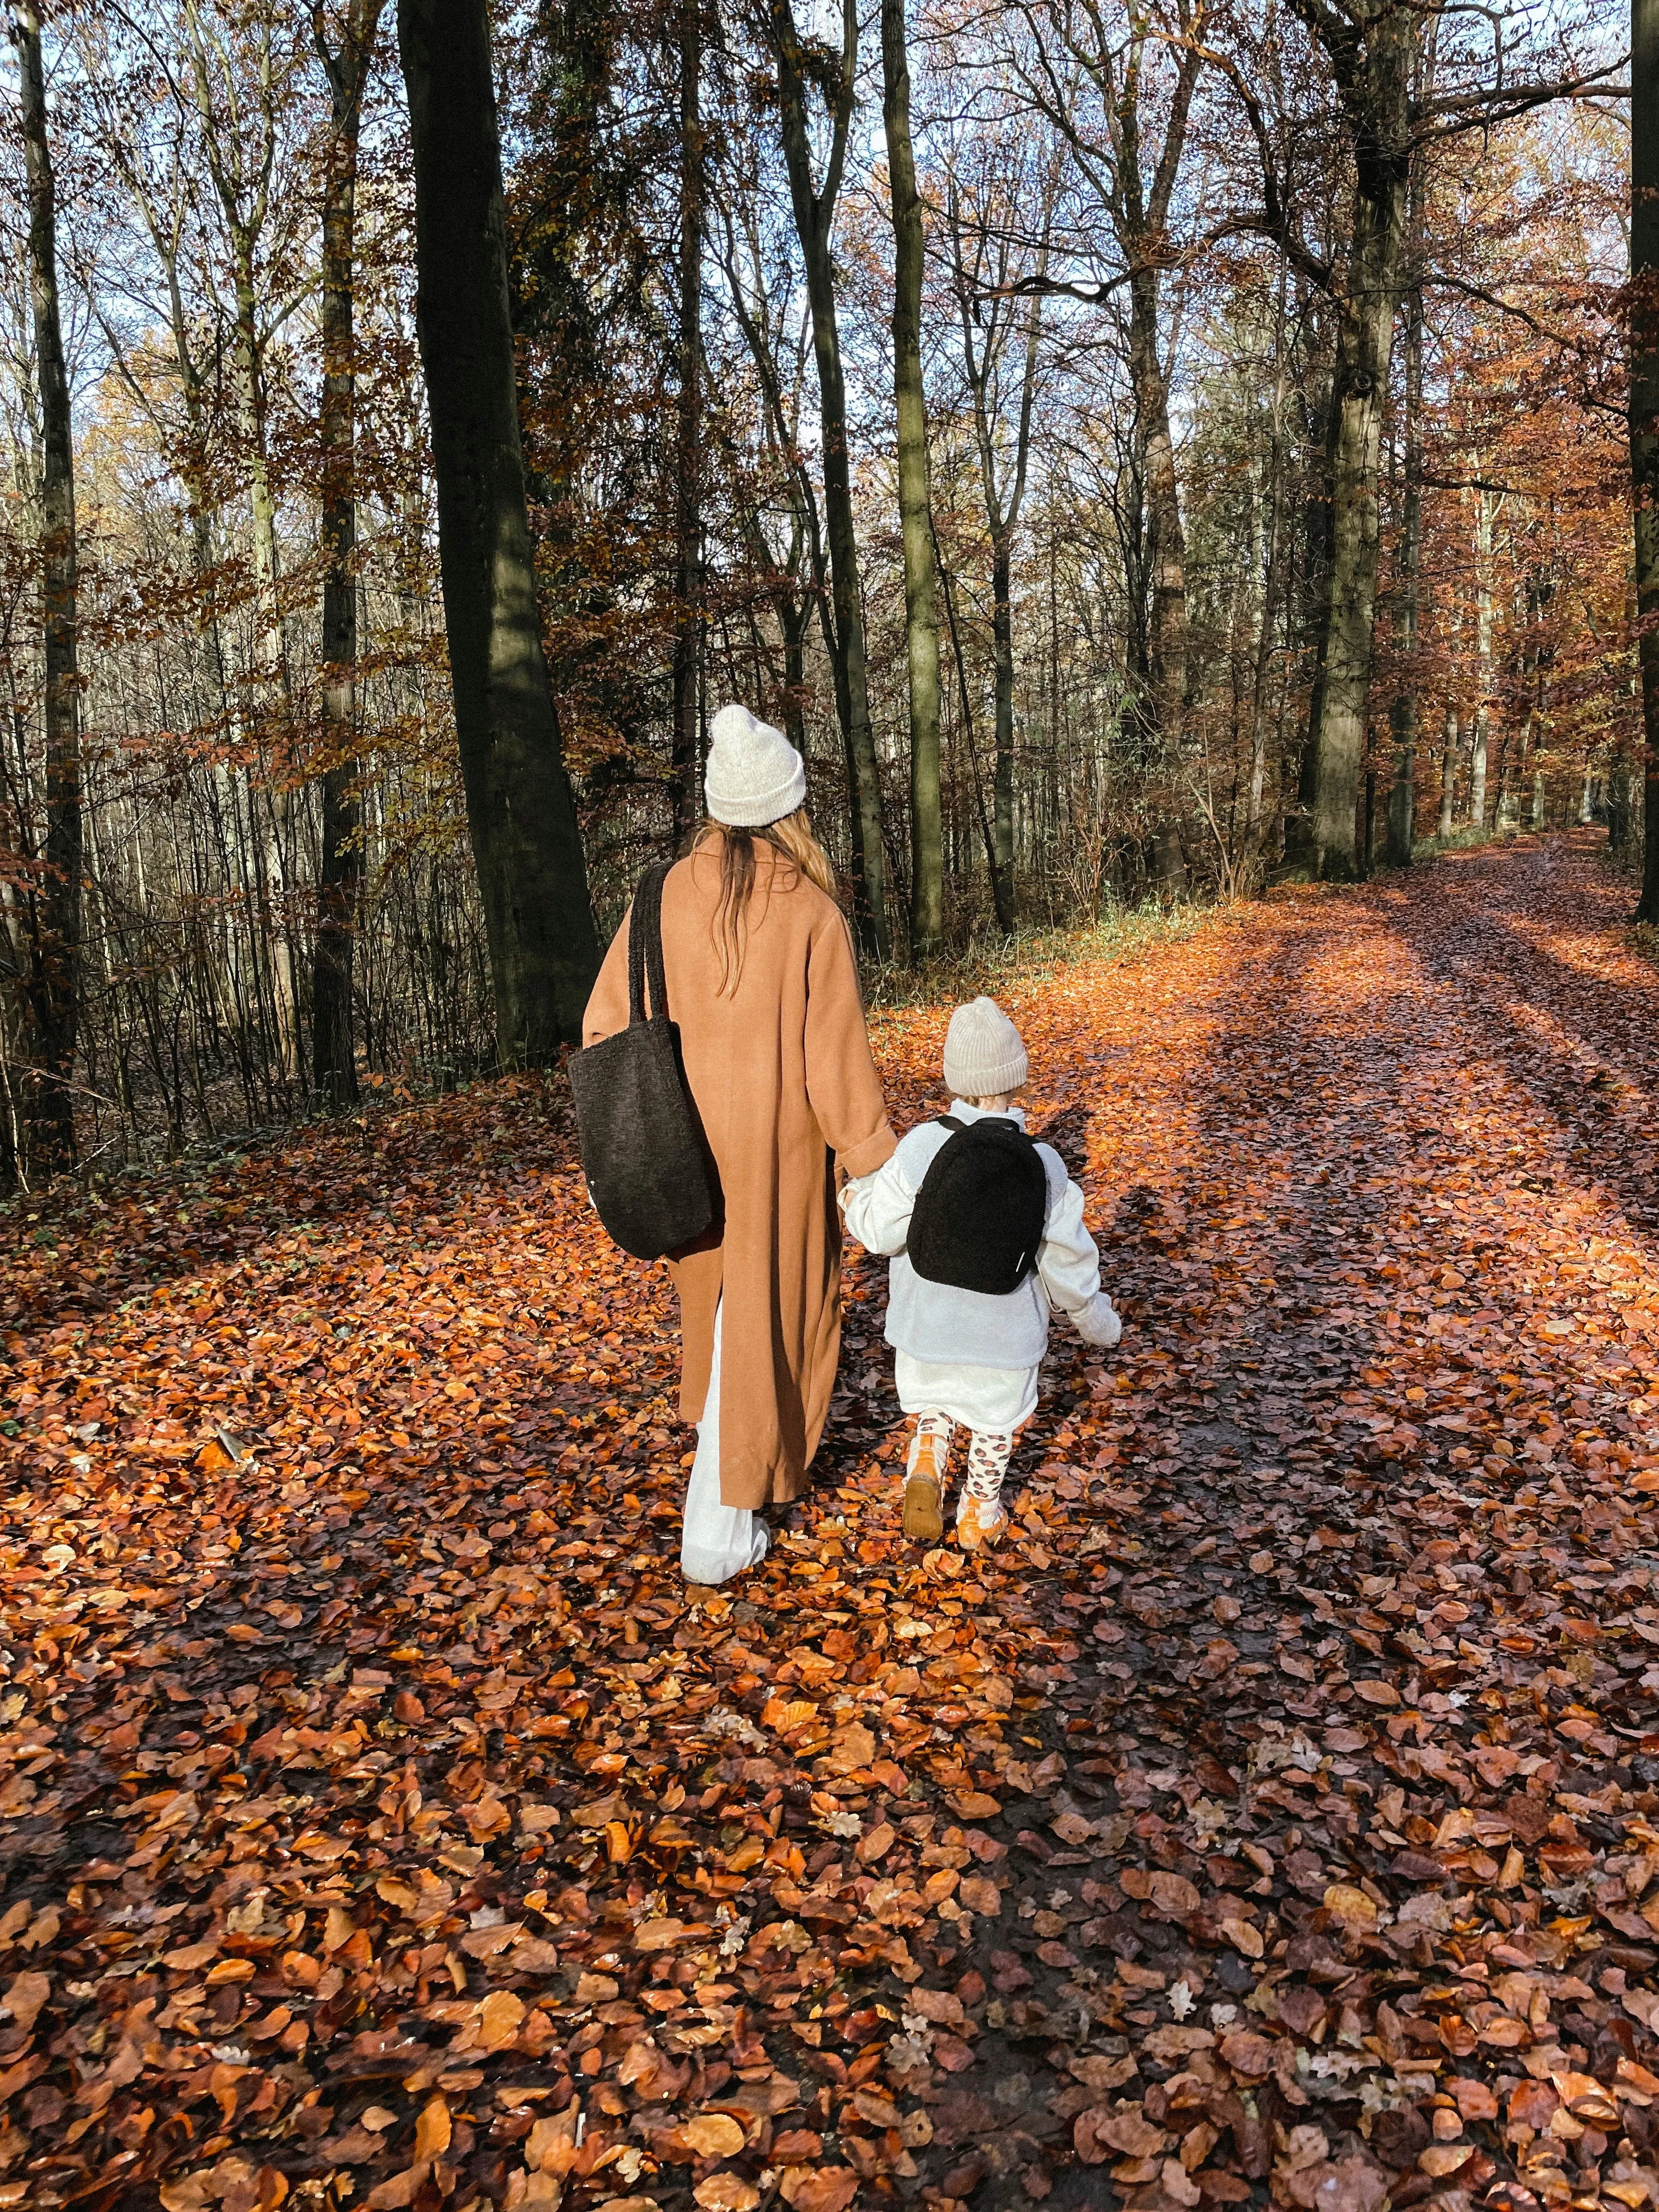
1272,1818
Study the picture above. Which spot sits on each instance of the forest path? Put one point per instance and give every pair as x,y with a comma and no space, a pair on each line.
379,1812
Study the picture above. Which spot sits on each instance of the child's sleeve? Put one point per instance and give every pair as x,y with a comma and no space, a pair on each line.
1069,1264
876,1208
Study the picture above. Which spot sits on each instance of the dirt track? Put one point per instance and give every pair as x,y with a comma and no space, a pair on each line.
380,1814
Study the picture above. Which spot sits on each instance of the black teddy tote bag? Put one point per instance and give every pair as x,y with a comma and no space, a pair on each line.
648,1171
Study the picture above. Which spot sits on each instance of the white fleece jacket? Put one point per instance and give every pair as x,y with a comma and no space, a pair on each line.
937,1323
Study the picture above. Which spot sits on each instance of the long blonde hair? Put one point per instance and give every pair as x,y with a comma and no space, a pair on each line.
793,838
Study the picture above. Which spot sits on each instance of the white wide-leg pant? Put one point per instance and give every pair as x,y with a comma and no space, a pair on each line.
718,1540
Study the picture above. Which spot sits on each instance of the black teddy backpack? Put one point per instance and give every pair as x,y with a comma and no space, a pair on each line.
980,1213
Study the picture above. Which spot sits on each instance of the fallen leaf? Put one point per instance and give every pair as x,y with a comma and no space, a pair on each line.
818,2188
713,2135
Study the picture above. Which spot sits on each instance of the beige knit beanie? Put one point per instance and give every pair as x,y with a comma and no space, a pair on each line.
983,1055
755,776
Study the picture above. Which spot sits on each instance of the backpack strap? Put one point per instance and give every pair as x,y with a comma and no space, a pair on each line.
950,1121
644,947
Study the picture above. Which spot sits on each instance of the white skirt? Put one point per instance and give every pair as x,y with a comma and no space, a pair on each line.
992,1401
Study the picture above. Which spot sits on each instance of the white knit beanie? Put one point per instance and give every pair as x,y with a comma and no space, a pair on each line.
983,1055
755,775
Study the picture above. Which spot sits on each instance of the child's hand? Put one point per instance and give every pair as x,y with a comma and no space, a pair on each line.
1099,1323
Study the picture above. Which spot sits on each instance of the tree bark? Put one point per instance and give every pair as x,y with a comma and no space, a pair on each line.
52,985
1166,555
543,952
920,604
1480,751
1002,772
985,336
687,751
1402,711
1448,775
1373,67
240,162
1644,408
796,583
1166,551
1139,207
814,211
333,1043
1264,819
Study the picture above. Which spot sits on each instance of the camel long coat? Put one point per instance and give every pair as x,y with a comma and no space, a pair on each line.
781,1073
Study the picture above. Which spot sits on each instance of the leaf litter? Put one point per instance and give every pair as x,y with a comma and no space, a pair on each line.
1272,1818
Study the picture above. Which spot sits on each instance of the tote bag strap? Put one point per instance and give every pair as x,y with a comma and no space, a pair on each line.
644,947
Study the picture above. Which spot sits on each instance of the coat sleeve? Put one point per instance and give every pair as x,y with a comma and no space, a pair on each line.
1069,1265
607,1003
877,1209
842,1083
1068,1259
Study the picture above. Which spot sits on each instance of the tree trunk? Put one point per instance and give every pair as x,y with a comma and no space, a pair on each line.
794,619
1264,818
965,699
686,760
239,160
1167,560
921,606
1166,540
814,213
1511,758
1481,752
983,342
543,952
1137,205
1402,711
1644,407
52,985
1448,776
1002,776
1322,842
333,1045
1618,806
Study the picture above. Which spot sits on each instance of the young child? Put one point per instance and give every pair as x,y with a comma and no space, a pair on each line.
963,1355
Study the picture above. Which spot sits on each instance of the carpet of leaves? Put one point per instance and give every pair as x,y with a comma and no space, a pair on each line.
1272,1819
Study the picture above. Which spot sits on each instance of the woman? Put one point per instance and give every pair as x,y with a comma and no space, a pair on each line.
763,983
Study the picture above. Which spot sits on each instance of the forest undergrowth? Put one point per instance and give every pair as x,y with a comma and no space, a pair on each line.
1272,1819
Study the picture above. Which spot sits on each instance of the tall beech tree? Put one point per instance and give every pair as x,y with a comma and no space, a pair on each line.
915,520
345,62
793,574
1403,706
1000,317
532,879
50,961
1108,140
1645,406
685,749
802,65
1371,51
242,74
